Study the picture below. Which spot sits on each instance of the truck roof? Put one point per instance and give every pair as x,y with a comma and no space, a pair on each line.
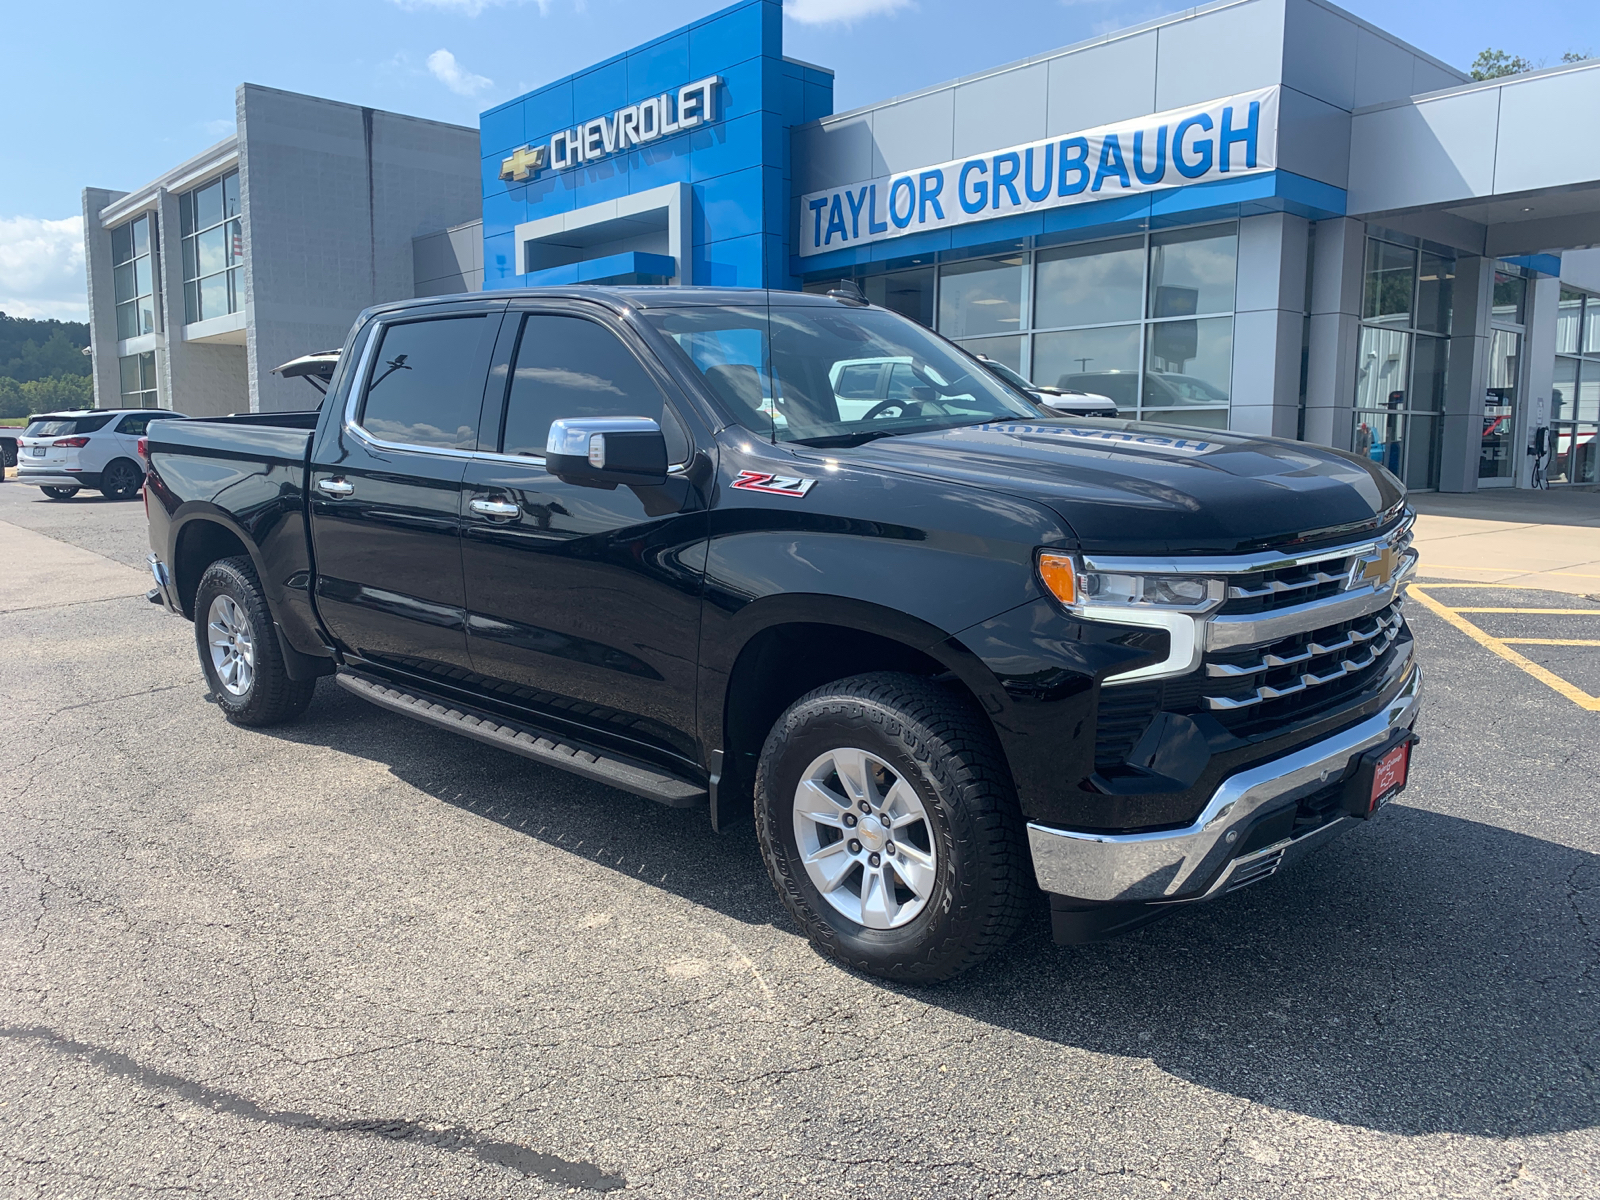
631,296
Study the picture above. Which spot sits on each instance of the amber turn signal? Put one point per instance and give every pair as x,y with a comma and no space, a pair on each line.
1060,574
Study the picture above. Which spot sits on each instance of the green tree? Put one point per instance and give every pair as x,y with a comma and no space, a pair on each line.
1572,56
1497,64
39,349
55,394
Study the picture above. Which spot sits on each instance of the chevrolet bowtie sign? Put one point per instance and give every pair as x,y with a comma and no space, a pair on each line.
692,105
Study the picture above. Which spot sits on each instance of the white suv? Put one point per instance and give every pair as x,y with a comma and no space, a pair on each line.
94,448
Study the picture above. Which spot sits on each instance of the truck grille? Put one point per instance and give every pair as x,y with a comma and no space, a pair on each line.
1264,591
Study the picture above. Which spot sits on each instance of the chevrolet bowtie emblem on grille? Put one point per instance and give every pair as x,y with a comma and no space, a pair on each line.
523,162
1372,570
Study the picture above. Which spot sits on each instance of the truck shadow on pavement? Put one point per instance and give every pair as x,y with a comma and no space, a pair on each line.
1428,974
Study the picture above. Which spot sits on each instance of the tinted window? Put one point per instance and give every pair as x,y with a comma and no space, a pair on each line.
65,426
569,367
135,424
426,385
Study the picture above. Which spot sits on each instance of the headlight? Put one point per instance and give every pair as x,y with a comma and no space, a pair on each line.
1082,590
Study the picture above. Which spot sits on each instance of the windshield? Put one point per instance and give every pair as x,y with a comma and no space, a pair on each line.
1006,373
834,377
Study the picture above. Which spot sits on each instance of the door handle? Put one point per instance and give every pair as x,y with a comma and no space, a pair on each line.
335,487
503,509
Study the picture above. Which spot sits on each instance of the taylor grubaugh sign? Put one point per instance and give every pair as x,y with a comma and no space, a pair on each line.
1223,139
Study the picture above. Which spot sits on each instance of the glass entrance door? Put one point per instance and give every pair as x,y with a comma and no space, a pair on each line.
1497,460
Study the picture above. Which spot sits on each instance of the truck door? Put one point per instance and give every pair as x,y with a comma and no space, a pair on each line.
583,604
385,492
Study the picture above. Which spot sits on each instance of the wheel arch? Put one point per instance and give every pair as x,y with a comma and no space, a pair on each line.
787,645
200,538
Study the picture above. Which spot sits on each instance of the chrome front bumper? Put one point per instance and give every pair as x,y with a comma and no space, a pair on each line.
1198,861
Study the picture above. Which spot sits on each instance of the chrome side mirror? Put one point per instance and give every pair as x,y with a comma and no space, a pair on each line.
606,451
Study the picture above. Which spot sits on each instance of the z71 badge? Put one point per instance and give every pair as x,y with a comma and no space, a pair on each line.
777,485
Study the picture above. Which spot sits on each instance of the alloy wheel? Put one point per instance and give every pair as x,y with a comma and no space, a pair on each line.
865,838
233,653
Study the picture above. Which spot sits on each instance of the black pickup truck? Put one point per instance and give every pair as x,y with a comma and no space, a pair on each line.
799,555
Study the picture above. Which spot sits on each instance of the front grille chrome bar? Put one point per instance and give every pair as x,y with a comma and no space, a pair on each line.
1278,586
1387,632
1268,661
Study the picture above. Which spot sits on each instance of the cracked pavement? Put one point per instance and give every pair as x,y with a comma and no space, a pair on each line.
358,957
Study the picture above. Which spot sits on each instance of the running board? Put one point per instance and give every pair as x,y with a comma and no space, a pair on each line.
599,765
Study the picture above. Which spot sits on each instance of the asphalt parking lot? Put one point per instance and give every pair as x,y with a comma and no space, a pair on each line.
358,957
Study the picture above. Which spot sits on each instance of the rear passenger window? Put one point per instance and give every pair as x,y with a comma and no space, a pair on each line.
134,425
426,386
570,367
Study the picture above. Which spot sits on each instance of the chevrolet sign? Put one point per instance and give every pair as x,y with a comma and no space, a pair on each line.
691,105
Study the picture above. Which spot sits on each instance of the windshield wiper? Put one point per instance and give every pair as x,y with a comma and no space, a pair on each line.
851,439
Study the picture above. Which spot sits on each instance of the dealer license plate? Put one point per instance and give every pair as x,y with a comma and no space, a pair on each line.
1390,775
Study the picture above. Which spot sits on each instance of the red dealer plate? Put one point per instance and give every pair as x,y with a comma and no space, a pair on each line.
1390,775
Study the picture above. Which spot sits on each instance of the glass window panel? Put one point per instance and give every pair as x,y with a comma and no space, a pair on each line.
570,367
1436,281
425,389
147,314
1386,292
141,235
230,195
1584,439
124,282
1381,368
212,248
190,266
909,293
1092,284
859,381
1380,437
1505,349
127,320
1564,390
1559,468
1422,452
208,206
1192,418
121,244
1430,372
129,370
1589,392
186,214
235,290
1103,360
1510,292
1189,362
1569,316
191,302
213,297
1591,326
1192,271
141,276
147,370
979,297
235,230
1007,350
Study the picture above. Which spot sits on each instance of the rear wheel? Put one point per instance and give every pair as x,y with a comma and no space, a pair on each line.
59,493
239,648
121,479
891,829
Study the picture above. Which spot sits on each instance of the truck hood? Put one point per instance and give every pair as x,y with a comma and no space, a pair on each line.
1131,487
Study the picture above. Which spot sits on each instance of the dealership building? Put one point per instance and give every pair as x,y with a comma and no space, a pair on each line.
1262,215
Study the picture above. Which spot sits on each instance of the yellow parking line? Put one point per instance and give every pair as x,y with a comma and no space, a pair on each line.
1550,641
1540,612
1496,646
1519,587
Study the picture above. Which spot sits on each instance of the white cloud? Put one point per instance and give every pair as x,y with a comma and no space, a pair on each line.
41,268
442,65
844,12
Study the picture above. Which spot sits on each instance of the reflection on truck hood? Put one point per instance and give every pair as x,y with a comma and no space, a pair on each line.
1128,487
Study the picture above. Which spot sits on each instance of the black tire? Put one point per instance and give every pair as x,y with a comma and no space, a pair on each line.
936,740
121,479
10,449
59,493
268,696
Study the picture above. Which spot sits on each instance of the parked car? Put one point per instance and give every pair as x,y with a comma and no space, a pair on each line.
1067,401
947,651
8,446
61,453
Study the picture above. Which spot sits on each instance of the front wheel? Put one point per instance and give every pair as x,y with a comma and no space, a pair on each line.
891,829
59,493
239,648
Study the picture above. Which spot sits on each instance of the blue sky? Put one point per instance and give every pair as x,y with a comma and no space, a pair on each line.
112,94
